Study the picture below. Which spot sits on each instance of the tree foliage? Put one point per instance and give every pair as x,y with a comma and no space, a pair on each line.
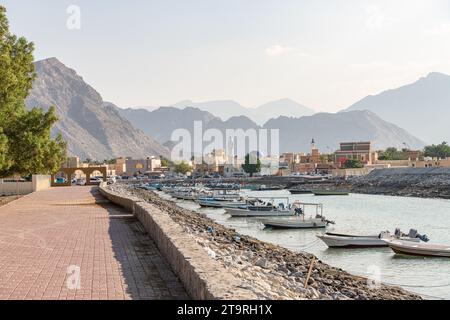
352,164
394,154
182,167
441,151
252,164
25,143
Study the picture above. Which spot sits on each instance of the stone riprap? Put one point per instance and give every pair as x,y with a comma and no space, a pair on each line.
254,269
413,182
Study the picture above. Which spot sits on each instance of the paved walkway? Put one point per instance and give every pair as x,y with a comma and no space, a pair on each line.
70,243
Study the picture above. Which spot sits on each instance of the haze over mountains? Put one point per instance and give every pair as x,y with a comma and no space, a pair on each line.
92,129
226,109
422,108
327,129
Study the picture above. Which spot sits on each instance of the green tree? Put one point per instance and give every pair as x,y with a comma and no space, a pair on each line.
164,162
25,143
252,164
352,164
441,151
394,154
182,167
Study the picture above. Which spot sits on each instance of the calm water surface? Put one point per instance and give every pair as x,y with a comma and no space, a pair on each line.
363,214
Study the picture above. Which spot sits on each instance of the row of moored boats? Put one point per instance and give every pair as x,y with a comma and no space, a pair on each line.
278,212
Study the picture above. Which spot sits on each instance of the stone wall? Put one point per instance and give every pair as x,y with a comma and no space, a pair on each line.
202,277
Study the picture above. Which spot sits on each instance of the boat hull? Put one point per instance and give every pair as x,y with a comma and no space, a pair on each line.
249,213
330,193
295,224
352,242
422,249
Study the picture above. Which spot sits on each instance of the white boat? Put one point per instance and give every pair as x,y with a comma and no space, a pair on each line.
263,209
296,222
299,219
257,212
336,240
419,249
213,203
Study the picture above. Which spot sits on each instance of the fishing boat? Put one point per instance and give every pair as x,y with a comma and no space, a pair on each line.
214,203
299,220
330,193
298,191
419,249
336,240
262,209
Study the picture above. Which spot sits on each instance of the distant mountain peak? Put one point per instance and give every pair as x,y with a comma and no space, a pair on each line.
422,107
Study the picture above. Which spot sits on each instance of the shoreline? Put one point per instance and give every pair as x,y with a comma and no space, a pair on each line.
269,271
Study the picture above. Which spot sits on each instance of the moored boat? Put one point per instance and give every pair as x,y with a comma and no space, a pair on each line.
298,191
330,193
419,249
336,240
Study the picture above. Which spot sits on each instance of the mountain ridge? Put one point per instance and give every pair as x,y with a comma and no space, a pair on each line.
421,107
91,128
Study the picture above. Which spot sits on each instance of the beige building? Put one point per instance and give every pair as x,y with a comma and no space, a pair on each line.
361,151
142,166
430,163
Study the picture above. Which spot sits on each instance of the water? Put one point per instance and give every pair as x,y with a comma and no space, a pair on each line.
363,214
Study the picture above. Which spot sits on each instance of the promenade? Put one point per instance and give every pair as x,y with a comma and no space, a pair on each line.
70,243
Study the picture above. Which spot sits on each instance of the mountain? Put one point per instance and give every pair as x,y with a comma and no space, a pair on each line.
161,122
225,109
422,108
282,107
329,129
91,128
295,133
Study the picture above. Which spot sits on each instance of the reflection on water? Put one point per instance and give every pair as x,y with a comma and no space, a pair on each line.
363,214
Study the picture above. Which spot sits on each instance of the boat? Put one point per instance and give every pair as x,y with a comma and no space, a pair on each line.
214,203
262,209
296,222
336,240
299,220
330,193
298,191
268,188
419,249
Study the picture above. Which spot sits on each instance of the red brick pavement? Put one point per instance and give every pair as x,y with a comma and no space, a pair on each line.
48,238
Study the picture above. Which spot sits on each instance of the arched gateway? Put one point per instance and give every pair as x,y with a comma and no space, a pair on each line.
69,172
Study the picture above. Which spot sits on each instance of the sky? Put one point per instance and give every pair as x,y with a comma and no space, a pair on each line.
324,54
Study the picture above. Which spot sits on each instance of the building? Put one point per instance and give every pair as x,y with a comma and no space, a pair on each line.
120,166
71,162
430,163
143,166
361,151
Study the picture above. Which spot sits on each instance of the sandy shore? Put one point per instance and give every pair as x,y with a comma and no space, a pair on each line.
270,271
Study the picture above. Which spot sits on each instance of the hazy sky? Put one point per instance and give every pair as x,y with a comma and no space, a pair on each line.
325,54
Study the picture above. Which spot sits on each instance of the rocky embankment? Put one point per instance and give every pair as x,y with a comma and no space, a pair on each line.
412,182
270,271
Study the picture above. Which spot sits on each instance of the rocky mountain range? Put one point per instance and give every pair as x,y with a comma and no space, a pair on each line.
92,128
328,129
226,109
422,108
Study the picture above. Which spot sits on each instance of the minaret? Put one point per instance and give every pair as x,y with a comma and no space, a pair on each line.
313,144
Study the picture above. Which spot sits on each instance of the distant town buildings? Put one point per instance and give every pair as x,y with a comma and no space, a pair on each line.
142,166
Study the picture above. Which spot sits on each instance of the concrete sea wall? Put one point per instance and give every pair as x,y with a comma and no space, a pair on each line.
202,277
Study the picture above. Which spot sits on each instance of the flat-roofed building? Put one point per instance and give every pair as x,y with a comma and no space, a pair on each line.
361,151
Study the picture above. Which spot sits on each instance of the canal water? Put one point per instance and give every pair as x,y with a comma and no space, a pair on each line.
363,214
